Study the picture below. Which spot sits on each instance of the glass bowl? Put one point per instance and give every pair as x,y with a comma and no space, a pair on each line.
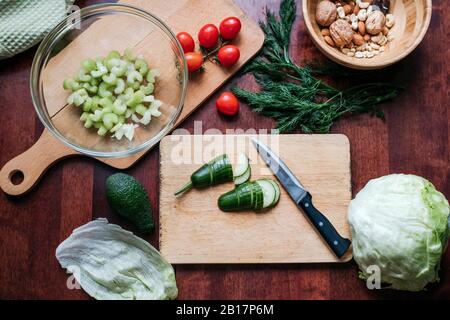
95,31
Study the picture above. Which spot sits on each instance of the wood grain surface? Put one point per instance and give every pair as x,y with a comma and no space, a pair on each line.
413,139
278,235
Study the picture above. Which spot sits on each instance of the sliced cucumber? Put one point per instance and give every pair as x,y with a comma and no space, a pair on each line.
269,192
244,178
257,195
242,165
277,192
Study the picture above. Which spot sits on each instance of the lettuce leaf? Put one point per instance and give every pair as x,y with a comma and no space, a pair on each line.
111,263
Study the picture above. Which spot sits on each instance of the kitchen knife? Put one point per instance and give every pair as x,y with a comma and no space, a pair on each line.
303,199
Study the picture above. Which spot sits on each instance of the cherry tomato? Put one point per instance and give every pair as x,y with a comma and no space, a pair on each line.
228,104
208,36
194,61
187,43
228,55
229,28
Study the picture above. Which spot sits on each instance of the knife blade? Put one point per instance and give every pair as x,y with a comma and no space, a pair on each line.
302,199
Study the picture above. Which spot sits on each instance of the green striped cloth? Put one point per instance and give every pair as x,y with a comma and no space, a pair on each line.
23,23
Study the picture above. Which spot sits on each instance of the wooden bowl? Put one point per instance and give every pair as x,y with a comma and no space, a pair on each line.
412,18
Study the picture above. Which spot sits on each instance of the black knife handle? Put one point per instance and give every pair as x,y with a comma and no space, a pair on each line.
338,244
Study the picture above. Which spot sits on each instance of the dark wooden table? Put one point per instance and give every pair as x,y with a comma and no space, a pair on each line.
415,138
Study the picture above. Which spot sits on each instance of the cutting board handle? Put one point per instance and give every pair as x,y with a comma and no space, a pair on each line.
32,164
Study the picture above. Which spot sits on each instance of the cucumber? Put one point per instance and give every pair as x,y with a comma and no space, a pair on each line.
241,166
243,178
257,195
277,192
215,172
269,192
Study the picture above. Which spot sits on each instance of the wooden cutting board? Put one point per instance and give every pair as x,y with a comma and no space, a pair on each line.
194,230
180,15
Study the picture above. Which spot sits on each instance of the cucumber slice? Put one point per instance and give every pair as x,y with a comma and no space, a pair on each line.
277,192
268,191
242,165
258,199
244,178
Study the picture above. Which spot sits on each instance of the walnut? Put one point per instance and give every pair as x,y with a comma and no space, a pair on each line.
341,32
375,22
326,13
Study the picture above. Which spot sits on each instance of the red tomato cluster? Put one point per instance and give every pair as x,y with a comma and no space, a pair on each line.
208,38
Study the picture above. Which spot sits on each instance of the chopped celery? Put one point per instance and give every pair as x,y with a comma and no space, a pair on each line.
134,76
71,84
119,107
128,55
102,131
83,77
148,89
137,98
141,66
113,55
109,120
88,123
90,88
109,79
120,86
84,116
101,70
141,109
104,90
149,99
89,65
114,92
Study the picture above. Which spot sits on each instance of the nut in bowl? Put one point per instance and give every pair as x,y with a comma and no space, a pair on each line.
367,34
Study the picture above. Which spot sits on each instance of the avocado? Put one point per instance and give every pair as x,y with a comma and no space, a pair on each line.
129,199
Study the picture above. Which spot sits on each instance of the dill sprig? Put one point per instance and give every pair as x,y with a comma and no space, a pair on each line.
292,95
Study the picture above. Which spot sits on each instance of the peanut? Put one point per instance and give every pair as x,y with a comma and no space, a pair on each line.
362,28
347,9
366,37
325,32
329,41
358,39
356,9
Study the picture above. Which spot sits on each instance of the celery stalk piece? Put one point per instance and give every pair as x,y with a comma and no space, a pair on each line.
109,79
84,116
141,109
102,131
148,89
96,116
128,113
104,90
141,66
113,55
101,70
71,84
119,107
128,55
116,127
137,98
83,77
109,120
154,108
149,99
88,123
88,65
121,69
120,86
134,76
147,117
